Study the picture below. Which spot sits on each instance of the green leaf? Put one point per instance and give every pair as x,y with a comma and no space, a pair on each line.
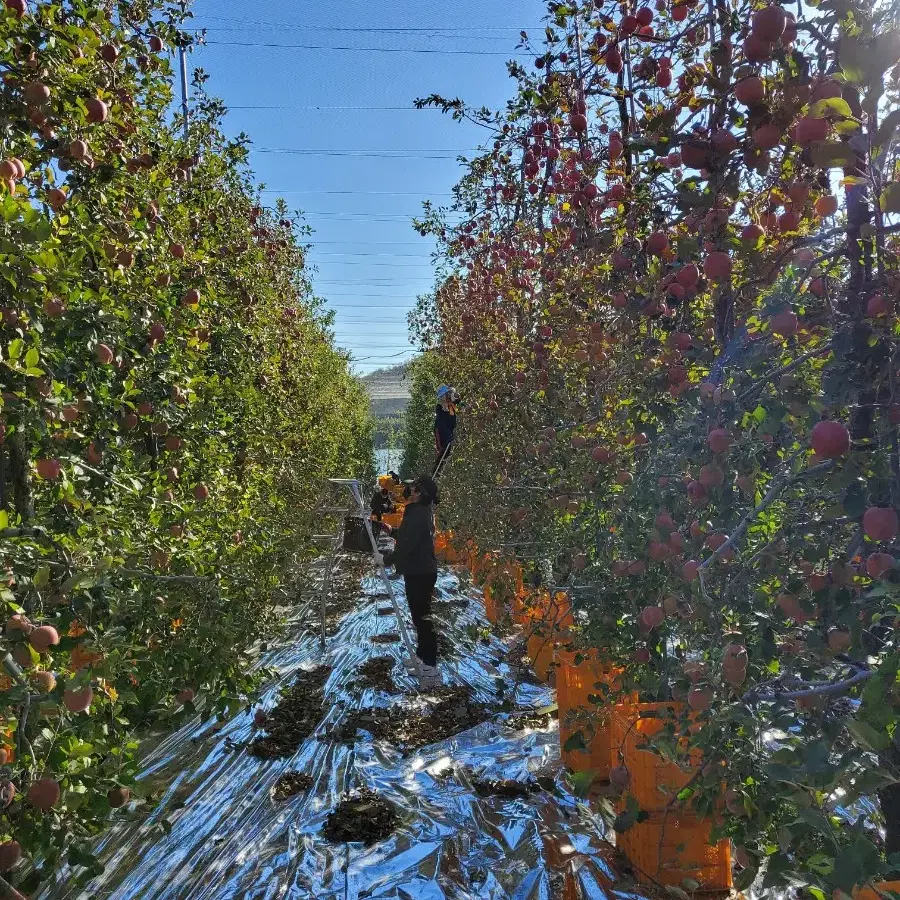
831,155
890,198
821,864
575,742
624,821
855,501
846,127
14,351
854,864
81,749
868,736
831,106
580,782
32,357
744,878
887,128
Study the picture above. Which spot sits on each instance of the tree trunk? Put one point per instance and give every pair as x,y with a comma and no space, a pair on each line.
19,477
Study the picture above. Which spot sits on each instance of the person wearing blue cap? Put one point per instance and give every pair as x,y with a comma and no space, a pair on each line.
444,425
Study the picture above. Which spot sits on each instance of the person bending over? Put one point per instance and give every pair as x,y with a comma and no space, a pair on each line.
382,503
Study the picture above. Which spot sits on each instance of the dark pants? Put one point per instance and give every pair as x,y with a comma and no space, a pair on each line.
419,589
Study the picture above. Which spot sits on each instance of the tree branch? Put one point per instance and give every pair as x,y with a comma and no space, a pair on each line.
818,689
775,489
821,351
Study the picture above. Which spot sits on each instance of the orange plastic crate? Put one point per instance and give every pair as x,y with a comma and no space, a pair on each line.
393,518
519,606
541,650
490,605
575,682
667,849
550,614
872,893
655,781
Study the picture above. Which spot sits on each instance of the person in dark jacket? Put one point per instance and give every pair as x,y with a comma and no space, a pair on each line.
382,503
414,558
444,425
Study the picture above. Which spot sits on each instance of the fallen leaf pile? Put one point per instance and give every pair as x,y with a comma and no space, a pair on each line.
295,718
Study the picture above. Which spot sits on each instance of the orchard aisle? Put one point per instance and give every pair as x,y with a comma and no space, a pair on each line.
216,832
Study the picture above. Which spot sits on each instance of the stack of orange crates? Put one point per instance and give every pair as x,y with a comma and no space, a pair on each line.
396,491
549,619
580,674
504,580
673,844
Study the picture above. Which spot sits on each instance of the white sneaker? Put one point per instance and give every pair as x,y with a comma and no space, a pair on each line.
412,664
429,678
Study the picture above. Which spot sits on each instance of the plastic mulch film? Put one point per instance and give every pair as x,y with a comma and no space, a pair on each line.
482,812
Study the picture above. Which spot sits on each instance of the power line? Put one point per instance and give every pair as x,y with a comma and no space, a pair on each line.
317,47
393,356
375,282
388,154
361,262
374,215
392,255
409,108
404,29
421,194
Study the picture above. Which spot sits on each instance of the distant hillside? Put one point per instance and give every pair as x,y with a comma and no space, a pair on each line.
387,384
388,391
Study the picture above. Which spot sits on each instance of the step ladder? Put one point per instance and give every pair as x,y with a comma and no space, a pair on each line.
357,507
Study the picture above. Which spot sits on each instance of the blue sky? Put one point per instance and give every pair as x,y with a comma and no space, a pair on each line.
298,100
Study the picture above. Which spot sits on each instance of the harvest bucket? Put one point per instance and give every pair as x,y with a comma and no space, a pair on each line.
668,849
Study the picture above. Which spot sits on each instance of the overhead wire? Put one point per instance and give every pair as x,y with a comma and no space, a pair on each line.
340,49
422,194
425,153
409,108
400,29
376,353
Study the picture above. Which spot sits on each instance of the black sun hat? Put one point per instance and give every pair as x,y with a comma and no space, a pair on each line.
427,488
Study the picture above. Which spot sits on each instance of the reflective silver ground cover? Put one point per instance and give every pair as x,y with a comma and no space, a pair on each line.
228,839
